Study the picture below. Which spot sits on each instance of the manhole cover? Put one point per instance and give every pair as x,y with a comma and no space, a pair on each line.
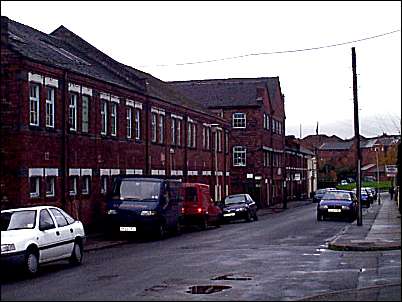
232,277
206,289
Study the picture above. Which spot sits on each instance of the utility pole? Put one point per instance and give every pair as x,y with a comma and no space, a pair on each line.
357,139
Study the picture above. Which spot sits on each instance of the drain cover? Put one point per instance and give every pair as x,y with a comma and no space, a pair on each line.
206,289
232,277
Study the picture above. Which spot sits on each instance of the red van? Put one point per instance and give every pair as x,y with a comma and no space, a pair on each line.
198,207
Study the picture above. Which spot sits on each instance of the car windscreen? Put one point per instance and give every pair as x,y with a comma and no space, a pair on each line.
18,220
336,196
140,190
190,194
235,199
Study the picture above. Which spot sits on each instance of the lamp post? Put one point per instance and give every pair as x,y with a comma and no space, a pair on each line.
378,178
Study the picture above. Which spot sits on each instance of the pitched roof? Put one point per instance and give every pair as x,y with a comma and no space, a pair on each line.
232,92
336,145
51,50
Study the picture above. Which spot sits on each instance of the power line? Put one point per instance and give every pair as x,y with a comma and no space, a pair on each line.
272,52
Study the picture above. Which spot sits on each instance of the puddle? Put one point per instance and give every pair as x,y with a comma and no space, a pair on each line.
232,277
206,289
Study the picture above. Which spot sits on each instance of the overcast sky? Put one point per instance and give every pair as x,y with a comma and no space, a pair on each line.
156,37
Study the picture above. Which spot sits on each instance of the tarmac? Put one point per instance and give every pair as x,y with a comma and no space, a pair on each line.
380,229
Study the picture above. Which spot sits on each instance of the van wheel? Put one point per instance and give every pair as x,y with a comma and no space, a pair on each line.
204,223
161,233
31,262
77,254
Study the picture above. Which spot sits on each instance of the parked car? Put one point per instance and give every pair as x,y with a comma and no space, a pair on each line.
320,193
343,182
365,197
198,206
338,203
35,235
150,206
372,192
239,206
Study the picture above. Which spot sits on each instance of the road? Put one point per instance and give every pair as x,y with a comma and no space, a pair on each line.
281,256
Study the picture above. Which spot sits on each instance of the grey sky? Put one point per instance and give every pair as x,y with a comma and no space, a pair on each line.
317,84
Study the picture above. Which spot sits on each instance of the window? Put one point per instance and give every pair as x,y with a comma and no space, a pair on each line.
153,127
239,120
34,105
137,124
129,112
85,113
86,181
50,186
73,185
34,184
239,156
173,130
50,107
194,136
219,140
72,112
114,119
104,117
60,219
178,132
161,128
45,220
265,121
204,137
104,184
208,139
226,142
189,135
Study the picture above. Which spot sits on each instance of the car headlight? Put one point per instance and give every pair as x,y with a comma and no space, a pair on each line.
241,209
148,213
7,247
324,207
112,212
345,208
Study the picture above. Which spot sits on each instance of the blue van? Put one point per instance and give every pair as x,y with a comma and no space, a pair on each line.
145,205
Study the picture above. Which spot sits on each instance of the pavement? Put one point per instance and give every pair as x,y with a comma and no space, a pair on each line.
380,229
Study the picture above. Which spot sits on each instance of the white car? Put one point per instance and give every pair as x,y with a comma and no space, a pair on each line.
34,235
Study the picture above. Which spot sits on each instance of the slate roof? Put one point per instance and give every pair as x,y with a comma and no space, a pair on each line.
232,92
336,145
50,50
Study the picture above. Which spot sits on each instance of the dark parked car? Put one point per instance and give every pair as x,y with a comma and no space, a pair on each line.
320,193
239,206
365,197
147,205
339,203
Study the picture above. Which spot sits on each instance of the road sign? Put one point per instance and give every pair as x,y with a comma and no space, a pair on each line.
391,170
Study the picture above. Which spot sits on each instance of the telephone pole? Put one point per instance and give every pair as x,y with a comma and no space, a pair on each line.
357,139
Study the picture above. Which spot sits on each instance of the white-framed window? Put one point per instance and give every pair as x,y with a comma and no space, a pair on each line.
50,107
113,115
267,123
219,140
104,117
34,104
104,184
73,185
194,136
189,140
72,112
226,142
50,186
161,128
173,131
208,139
137,124
178,132
239,120
129,120
239,156
154,117
34,184
86,182
204,137
265,120
85,113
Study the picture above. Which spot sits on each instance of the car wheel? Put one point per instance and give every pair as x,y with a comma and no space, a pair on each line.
255,217
319,217
204,223
31,262
161,232
248,217
77,254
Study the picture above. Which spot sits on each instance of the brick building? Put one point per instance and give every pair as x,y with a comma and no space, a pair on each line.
72,118
255,109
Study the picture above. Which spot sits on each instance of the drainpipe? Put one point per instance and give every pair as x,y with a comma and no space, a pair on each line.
64,142
147,160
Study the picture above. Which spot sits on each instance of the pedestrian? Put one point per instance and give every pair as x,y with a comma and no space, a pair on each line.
391,192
